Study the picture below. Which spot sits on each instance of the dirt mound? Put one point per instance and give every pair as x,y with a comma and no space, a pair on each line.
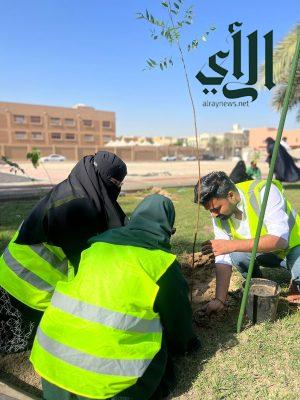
201,278
201,260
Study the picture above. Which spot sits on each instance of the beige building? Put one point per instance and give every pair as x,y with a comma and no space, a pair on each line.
236,139
203,140
71,132
258,135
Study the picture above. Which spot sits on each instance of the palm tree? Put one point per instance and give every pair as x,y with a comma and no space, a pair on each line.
282,61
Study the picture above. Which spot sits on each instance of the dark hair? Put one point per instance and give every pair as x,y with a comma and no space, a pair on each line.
216,184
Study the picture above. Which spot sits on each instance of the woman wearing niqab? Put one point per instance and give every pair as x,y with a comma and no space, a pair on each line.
285,168
239,173
83,205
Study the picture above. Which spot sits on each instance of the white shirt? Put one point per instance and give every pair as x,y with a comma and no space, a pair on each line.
275,220
285,145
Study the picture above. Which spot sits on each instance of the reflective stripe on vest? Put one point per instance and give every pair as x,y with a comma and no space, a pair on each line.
103,316
24,274
252,198
91,363
292,219
100,332
51,258
30,272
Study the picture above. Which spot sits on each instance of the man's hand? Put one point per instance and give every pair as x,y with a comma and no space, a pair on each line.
213,307
217,247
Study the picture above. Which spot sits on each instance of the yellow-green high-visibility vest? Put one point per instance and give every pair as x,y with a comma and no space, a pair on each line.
100,332
251,191
30,272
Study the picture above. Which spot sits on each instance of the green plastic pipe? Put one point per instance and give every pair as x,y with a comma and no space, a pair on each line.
269,181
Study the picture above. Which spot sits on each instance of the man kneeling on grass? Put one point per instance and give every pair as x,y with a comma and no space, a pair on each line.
235,212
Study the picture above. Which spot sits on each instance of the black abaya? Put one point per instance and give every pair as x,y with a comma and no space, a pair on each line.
239,174
285,168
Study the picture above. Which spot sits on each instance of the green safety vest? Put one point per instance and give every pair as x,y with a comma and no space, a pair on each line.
251,191
100,332
30,272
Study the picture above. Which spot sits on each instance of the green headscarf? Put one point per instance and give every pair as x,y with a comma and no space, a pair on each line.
150,226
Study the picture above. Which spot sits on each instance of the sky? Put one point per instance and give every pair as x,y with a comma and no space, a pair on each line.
64,52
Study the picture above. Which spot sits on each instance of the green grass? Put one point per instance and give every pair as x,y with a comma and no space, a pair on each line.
263,362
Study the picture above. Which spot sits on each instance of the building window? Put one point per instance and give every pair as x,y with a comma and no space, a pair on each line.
69,122
106,138
56,136
54,121
21,135
19,119
35,119
70,136
89,138
105,124
87,122
37,135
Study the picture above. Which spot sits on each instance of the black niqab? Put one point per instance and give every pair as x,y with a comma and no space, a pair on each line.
92,175
81,206
285,168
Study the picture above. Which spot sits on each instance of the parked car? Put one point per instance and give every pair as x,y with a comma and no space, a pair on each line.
189,158
169,158
208,157
53,157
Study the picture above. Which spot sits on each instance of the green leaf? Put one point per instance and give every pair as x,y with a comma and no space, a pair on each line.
165,4
161,66
174,12
176,6
152,61
212,28
147,15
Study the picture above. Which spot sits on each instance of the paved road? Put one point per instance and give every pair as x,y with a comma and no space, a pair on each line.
140,174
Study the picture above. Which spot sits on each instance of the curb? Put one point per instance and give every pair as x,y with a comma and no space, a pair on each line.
32,193
11,392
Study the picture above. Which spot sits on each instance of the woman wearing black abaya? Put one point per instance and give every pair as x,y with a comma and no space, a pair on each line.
285,168
239,174
83,205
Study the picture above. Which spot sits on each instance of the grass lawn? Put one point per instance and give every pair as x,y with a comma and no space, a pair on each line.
263,362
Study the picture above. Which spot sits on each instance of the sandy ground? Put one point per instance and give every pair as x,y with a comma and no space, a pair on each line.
140,174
